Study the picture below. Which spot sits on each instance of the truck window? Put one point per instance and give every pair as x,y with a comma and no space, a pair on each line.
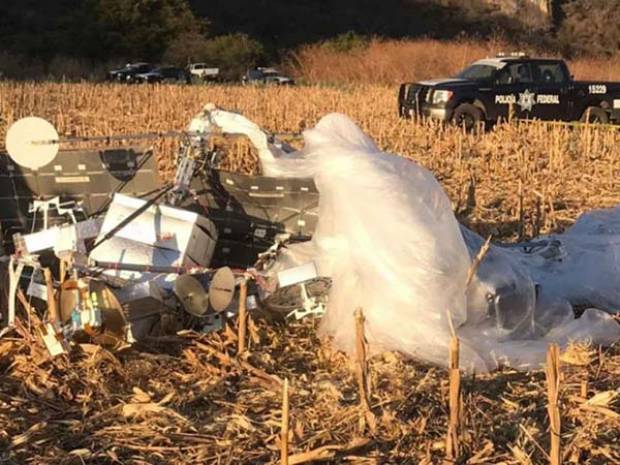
477,72
515,73
550,73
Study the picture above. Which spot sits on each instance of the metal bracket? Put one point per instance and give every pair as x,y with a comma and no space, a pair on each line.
311,306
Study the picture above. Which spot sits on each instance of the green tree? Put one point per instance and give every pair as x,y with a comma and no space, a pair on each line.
43,29
187,47
233,53
143,29
94,29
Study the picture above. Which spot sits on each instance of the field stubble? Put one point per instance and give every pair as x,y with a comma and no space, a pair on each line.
190,405
532,176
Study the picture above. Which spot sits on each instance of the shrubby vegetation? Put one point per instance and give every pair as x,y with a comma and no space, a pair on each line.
232,53
39,36
346,42
85,36
591,27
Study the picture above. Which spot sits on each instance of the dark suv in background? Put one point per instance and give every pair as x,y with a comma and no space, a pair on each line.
163,74
266,76
129,72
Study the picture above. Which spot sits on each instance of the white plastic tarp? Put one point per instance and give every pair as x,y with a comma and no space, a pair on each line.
389,240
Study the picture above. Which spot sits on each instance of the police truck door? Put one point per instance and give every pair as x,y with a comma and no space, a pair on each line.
512,91
553,89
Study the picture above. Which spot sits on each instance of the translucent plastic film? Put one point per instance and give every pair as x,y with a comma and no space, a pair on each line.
389,240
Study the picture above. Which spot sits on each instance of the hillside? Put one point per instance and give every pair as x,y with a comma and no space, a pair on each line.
289,24
75,38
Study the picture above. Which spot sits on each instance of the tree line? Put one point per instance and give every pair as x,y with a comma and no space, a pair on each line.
236,34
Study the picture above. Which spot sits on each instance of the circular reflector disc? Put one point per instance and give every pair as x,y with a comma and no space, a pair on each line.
192,295
222,289
32,142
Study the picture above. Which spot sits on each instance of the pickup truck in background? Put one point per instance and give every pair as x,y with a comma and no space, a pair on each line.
499,88
202,72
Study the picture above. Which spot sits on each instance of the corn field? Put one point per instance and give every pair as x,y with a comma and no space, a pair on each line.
517,179
185,400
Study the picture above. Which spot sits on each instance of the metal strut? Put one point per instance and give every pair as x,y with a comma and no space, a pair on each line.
133,216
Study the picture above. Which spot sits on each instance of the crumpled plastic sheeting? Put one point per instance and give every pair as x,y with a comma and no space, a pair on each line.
389,240
529,291
584,266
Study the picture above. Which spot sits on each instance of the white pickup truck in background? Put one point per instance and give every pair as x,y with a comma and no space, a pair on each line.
203,72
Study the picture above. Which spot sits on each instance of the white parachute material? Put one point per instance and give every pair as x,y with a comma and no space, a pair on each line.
389,240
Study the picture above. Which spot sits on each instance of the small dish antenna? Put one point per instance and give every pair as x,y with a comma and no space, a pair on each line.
222,289
192,295
32,142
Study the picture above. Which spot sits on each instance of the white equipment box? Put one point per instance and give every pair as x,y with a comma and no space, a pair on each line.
160,236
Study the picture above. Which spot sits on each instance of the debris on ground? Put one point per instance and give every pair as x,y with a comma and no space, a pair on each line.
404,259
120,336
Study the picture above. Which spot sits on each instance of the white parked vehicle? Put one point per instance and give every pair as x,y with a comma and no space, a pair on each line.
203,71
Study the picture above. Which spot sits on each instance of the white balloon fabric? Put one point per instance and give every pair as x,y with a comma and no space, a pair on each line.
389,240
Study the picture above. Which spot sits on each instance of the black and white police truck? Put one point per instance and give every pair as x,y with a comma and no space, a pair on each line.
512,86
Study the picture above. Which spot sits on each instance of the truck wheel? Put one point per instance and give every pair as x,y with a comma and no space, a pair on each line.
595,115
466,115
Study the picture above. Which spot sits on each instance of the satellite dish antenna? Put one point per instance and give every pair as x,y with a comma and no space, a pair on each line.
192,295
222,289
32,142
